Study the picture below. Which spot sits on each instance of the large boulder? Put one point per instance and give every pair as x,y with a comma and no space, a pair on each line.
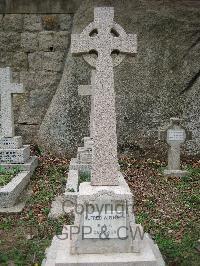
161,81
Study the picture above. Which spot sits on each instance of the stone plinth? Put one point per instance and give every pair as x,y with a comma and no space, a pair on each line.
11,143
179,173
13,156
114,197
84,155
87,248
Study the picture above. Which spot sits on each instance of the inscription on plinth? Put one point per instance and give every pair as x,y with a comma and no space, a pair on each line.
110,224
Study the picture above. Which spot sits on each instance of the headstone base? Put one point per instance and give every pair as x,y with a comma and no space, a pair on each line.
11,143
58,254
178,173
110,200
14,156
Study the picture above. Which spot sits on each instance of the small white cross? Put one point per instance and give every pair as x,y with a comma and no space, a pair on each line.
7,89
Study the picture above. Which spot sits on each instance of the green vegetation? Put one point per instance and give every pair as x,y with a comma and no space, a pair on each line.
25,236
6,175
84,177
167,207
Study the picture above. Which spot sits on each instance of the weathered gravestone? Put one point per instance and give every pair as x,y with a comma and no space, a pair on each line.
175,135
105,232
84,154
12,152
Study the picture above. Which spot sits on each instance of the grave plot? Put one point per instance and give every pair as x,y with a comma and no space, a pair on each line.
13,154
175,135
106,230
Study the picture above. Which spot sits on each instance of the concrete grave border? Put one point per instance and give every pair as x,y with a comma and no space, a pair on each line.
10,193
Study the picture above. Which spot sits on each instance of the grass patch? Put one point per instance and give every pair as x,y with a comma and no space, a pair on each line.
6,175
84,177
168,208
25,236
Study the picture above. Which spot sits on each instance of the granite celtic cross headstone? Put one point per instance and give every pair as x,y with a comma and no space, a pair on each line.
106,232
7,89
104,37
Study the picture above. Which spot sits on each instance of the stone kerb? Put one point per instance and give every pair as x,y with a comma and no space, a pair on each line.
10,193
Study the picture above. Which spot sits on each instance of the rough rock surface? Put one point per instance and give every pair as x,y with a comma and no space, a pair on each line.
160,82
150,88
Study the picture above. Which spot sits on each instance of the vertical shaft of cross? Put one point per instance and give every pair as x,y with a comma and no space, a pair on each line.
7,121
104,157
174,152
7,89
102,37
92,102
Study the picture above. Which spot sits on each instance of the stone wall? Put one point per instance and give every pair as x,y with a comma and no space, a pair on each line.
35,47
160,82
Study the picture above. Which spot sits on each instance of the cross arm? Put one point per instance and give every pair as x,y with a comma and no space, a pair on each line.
17,88
127,45
81,44
85,90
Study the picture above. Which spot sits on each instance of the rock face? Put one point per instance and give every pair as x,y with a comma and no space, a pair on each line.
160,82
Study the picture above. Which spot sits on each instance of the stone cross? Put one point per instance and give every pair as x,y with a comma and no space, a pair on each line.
7,89
104,37
175,135
87,90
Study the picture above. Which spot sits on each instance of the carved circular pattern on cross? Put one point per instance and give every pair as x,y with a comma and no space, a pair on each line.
116,30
